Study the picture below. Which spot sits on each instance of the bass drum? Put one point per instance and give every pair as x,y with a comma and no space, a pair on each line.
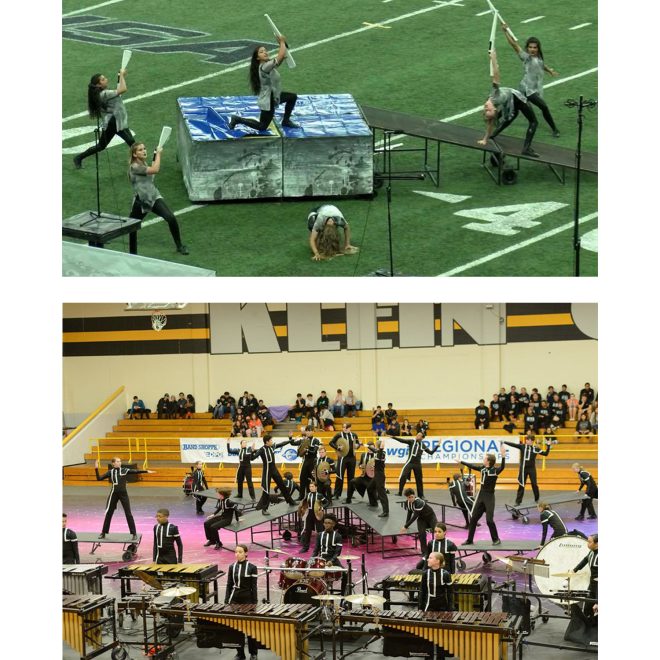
562,554
303,592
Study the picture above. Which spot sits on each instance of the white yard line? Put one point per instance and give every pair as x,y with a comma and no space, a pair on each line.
577,27
82,11
517,246
534,18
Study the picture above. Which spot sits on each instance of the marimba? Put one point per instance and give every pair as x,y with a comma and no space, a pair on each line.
83,579
83,620
199,576
467,635
281,628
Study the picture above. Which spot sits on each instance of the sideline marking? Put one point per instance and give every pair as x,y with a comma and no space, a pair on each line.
577,27
81,11
444,197
385,27
244,65
518,246
483,13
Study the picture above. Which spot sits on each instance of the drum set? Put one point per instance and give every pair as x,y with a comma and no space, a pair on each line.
302,580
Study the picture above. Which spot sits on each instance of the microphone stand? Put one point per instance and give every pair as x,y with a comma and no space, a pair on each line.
581,105
96,215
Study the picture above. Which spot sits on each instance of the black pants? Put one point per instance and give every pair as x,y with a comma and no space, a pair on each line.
324,488
361,484
419,479
528,113
166,557
275,476
253,645
244,473
306,472
106,135
212,527
422,525
531,473
536,100
199,502
310,524
161,209
587,506
266,116
376,489
485,503
347,465
111,505
481,421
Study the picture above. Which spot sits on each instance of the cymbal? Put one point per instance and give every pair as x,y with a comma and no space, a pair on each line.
148,579
567,574
351,557
282,552
365,599
328,597
178,591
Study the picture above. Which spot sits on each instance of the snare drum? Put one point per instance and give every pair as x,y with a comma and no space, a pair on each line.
287,578
562,554
303,592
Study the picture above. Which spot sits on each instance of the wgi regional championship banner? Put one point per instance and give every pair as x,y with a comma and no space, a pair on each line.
446,449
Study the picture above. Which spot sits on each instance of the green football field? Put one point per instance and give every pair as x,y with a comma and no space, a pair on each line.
414,56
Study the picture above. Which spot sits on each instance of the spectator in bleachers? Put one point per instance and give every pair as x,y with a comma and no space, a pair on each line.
393,427
588,392
406,427
512,408
339,404
313,419
163,407
583,426
244,403
531,420
584,406
351,404
523,399
593,419
218,410
239,426
502,397
481,416
264,414
297,410
558,417
310,404
253,403
181,405
572,406
390,413
495,409
513,392
378,421
422,427
550,395
323,400
543,416
535,400
173,407
255,426
564,395
138,408
327,418
190,406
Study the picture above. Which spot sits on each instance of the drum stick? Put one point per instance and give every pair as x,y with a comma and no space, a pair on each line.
289,58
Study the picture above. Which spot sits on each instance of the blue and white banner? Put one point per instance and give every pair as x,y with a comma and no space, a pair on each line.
446,449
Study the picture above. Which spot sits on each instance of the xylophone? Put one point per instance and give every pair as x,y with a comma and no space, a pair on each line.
198,576
280,628
83,579
83,621
467,635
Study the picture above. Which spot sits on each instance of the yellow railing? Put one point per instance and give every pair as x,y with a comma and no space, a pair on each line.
92,415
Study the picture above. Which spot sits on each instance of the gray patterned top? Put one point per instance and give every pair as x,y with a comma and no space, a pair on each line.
532,82
270,80
143,186
502,98
112,105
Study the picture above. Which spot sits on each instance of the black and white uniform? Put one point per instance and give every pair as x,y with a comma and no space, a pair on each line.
70,553
376,488
291,486
592,561
550,518
223,516
446,547
527,467
420,512
361,483
244,471
588,482
270,472
325,487
310,521
309,463
481,417
413,464
199,484
242,588
531,422
345,463
461,499
328,546
496,411
166,536
435,591
117,477
485,500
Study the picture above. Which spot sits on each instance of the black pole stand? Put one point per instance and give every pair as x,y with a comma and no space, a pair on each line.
581,105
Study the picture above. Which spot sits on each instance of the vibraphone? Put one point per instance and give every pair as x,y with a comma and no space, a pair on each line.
467,635
199,576
470,589
83,579
281,628
83,621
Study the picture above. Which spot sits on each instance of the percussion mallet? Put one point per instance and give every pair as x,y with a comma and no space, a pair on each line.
289,58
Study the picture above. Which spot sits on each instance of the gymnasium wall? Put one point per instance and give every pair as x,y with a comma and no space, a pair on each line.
415,355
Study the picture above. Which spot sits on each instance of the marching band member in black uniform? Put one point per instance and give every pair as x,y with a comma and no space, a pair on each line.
324,487
166,535
223,515
309,460
311,522
460,497
117,477
361,482
329,545
376,488
345,464
420,512
413,462
291,485
199,484
242,588
436,592
588,482
270,472
527,466
550,518
244,471
70,553
485,500
592,561
442,545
